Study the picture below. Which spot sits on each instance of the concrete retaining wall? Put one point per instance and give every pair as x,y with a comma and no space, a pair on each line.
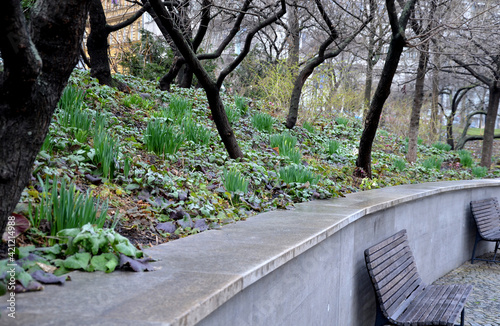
328,284
297,267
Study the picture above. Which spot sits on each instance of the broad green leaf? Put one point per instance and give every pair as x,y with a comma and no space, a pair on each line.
77,261
104,262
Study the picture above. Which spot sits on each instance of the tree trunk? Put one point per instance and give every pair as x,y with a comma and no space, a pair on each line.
489,126
382,92
211,89
411,155
294,36
28,95
435,121
97,44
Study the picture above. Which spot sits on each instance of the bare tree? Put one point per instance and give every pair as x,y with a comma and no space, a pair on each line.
38,56
211,87
323,54
398,42
473,52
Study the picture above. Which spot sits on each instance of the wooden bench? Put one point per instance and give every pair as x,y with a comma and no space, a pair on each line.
486,214
402,297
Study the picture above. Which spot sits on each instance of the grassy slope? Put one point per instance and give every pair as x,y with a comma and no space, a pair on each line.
166,197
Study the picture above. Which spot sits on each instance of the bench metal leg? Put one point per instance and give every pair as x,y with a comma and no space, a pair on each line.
462,317
478,238
380,319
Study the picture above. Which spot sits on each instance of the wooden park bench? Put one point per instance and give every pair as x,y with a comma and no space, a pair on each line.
486,213
402,297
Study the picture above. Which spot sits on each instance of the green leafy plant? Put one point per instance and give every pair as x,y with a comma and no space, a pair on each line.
195,132
136,100
241,104
106,152
161,138
309,127
399,164
442,146
342,121
333,147
234,181
298,174
479,171
466,158
64,207
286,146
233,115
72,115
263,122
433,163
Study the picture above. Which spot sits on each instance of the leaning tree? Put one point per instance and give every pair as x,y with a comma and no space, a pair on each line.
38,56
396,46
167,24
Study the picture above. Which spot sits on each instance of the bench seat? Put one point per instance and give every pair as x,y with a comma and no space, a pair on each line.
402,297
486,214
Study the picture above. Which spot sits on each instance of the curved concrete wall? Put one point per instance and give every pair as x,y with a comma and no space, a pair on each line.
328,284
297,267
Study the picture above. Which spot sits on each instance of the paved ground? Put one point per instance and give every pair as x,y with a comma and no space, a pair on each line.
483,305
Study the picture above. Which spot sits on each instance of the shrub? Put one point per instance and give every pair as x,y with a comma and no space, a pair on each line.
479,171
298,174
66,208
234,181
433,162
466,158
263,122
162,139
399,164
442,146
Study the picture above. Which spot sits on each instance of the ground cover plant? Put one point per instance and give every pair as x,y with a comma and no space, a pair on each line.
149,167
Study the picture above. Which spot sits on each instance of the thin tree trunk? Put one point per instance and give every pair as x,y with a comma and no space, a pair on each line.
411,155
489,126
435,98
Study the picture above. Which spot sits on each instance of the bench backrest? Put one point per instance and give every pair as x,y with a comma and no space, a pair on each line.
393,273
486,213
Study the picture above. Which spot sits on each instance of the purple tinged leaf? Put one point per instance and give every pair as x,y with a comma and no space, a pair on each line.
186,223
201,225
168,227
48,278
137,265
21,224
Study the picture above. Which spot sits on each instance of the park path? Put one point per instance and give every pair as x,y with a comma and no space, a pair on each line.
483,305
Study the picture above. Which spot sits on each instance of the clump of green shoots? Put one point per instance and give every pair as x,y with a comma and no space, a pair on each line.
298,174
399,164
263,122
442,146
333,147
479,171
106,152
466,158
196,133
433,163
64,207
241,104
234,181
286,146
161,138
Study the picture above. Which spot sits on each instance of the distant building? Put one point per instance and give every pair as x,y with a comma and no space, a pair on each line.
117,11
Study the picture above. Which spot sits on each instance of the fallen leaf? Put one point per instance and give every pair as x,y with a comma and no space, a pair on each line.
46,268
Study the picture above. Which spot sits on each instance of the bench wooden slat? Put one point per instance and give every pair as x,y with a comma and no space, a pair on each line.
486,214
402,296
